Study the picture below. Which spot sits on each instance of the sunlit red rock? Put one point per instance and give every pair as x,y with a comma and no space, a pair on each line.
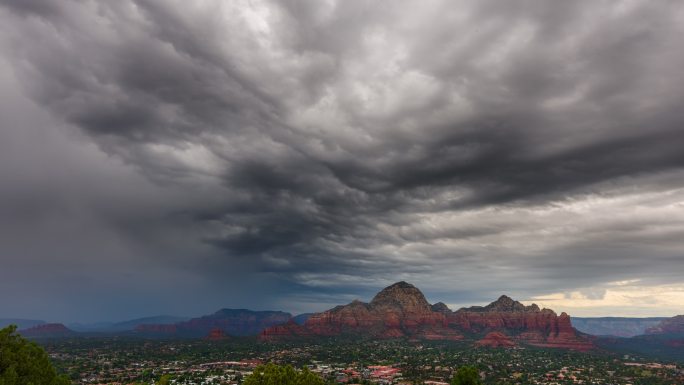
539,327
398,310
401,311
496,340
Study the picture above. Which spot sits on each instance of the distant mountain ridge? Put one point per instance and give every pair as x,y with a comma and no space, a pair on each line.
664,340
234,322
615,326
162,319
108,327
20,322
674,326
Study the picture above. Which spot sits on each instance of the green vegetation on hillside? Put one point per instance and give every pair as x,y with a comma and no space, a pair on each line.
466,375
23,362
282,375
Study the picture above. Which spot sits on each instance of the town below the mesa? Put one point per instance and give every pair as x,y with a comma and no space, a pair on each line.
373,362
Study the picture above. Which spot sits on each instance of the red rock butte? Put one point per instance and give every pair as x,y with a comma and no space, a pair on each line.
495,340
402,311
46,330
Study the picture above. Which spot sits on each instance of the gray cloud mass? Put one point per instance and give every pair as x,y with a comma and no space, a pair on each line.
172,156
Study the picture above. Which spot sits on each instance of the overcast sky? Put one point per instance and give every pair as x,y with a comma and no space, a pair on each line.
176,157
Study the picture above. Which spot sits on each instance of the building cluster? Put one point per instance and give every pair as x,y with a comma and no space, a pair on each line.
194,363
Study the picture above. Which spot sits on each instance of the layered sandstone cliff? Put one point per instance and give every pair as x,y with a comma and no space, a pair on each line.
539,327
401,311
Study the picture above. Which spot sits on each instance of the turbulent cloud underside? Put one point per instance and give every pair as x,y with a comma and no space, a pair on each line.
299,154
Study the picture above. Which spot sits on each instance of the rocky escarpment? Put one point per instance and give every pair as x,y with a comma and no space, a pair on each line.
530,324
401,311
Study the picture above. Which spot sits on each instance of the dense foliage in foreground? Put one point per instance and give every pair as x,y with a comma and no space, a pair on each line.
466,375
23,362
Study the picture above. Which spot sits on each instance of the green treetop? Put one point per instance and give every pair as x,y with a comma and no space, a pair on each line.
282,375
164,380
466,375
23,362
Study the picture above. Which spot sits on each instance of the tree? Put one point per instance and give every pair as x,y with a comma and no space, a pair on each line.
164,380
23,362
466,375
282,375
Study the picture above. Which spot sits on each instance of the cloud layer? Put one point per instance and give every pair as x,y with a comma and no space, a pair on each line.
321,149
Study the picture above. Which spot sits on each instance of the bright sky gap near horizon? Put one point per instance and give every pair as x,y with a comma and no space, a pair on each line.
174,157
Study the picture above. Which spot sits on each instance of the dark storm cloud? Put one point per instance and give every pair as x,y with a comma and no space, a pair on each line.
525,147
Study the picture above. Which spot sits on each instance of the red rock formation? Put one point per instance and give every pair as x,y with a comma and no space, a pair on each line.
392,332
563,335
217,335
441,307
47,330
504,313
356,315
674,325
528,323
439,334
495,340
401,311
398,310
289,330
